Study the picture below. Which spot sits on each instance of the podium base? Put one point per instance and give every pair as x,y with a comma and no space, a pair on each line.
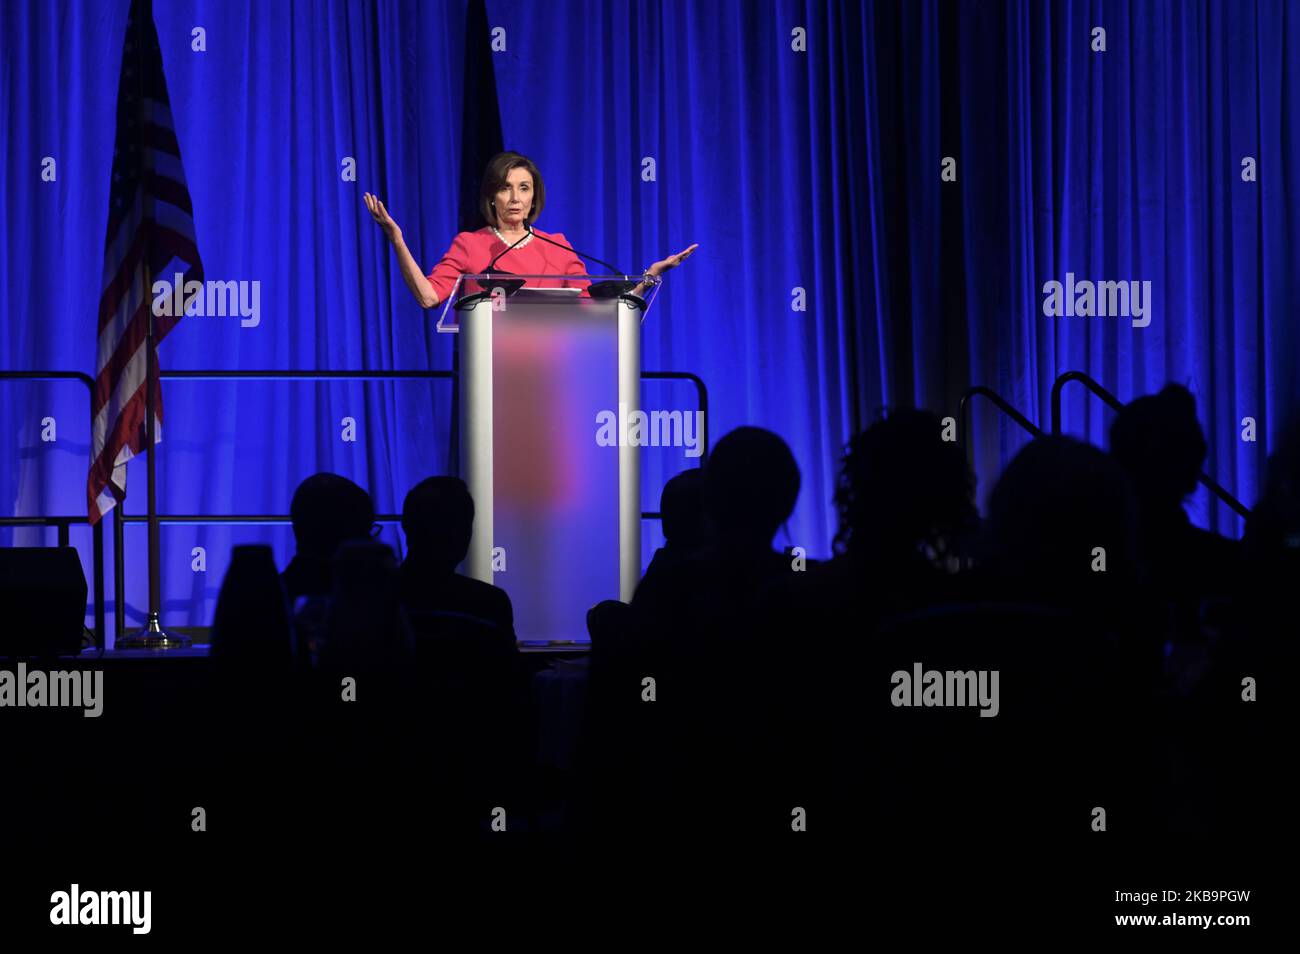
153,636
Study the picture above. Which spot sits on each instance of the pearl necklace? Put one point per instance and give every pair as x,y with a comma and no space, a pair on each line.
504,242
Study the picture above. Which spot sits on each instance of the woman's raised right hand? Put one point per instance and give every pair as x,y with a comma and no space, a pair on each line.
381,216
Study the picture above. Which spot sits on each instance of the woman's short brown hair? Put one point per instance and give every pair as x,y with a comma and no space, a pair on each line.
494,179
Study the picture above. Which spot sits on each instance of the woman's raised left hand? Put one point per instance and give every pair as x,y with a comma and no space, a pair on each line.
672,261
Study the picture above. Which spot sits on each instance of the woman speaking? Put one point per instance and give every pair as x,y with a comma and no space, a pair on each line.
511,198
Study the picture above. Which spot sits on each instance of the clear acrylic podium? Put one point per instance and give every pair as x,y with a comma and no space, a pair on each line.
557,507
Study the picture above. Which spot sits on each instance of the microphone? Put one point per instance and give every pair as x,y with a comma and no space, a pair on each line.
509,286
504,250
605,289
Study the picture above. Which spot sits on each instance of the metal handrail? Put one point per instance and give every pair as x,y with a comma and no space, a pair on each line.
1091,384
366,375
1057,387
64,523
1001,403
702,398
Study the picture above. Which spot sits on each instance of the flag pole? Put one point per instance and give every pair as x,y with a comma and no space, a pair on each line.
152,635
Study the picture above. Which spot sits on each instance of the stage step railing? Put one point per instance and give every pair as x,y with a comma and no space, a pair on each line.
1116,404
998,401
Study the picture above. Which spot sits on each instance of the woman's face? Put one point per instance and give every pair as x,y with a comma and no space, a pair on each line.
514,200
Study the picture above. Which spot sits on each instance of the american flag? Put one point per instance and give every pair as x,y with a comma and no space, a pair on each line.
150,237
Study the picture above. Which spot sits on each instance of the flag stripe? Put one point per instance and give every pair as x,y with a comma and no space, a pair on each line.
161,138
125,350
168,190
128,270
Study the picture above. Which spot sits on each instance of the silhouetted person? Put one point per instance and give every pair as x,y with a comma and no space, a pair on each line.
1062,521
1189,575
1159,442
366,699
475,722
253,727
751,484
1272,537
1063,533
904,492
1076,636
906,507
905,499
704,630
606,766
749,492
438,519
681,509
327,511
1260,655
250,628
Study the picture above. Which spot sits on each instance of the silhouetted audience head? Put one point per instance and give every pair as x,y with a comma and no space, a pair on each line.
1056,502
1159,441
903,487
250,628
438,519
751,483
327,511
681,507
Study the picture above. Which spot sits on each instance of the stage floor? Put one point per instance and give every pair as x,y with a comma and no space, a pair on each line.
200,650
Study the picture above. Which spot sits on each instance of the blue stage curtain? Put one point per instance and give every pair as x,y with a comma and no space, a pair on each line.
816,170
1117,165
